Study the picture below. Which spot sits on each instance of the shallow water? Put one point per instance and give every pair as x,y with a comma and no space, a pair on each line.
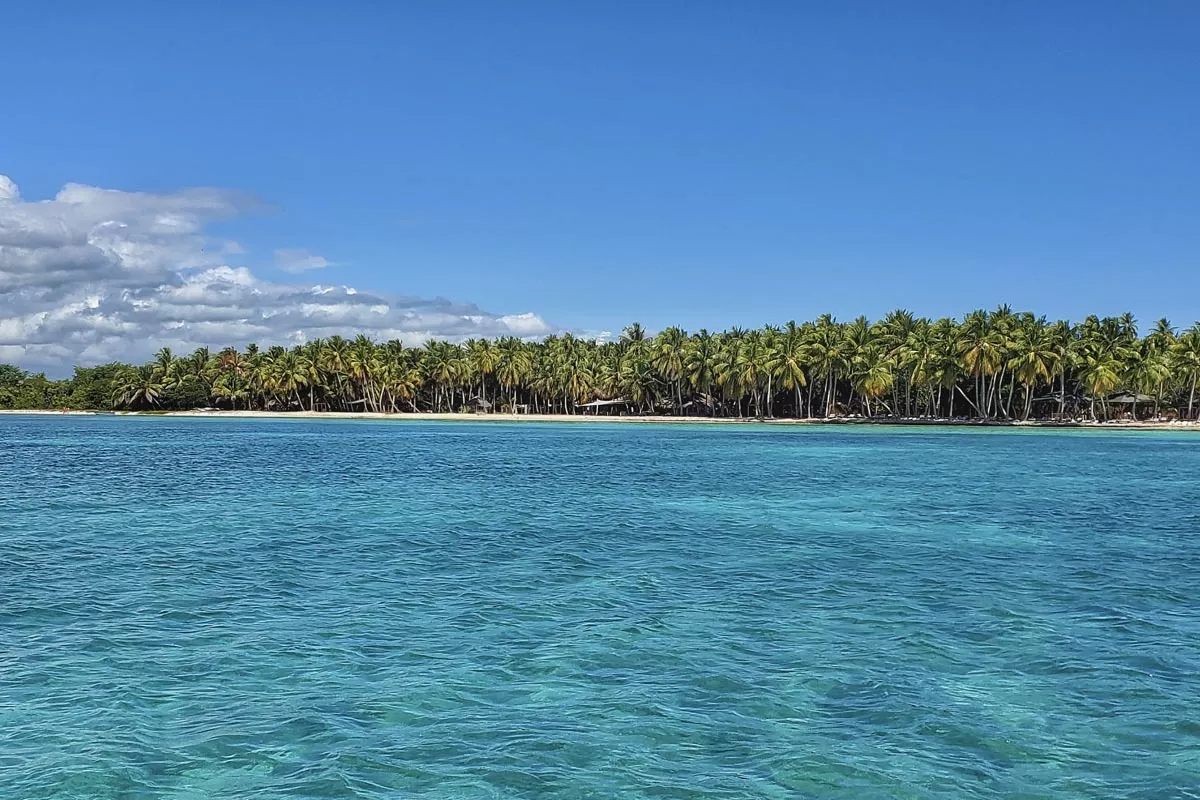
195,608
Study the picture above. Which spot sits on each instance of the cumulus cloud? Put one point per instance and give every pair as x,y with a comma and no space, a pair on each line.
95,275
293,259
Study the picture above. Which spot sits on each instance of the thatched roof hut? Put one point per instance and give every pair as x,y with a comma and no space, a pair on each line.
1129,398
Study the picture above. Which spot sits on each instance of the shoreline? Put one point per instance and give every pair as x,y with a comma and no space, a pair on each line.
584,419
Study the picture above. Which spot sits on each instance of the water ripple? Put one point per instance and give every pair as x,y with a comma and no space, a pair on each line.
270,609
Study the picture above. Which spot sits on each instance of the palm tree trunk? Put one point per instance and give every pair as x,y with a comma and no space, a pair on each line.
968,399
995,408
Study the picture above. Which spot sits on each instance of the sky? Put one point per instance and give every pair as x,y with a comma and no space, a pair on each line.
220,173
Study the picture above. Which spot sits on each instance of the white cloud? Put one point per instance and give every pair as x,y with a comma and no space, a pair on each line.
8,190
298,260
96,274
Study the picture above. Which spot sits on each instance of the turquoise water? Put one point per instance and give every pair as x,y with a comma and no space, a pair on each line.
196,608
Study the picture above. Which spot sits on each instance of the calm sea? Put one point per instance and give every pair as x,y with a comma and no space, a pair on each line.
196,608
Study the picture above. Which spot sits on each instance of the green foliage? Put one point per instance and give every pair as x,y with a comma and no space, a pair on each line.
23,390
1000,365
10,377
92,387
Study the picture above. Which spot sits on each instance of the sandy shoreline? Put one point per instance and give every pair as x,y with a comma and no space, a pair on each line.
584,419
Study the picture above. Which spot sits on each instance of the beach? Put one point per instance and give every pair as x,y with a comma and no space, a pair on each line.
408,416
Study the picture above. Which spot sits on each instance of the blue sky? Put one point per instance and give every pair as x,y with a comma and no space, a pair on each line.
700,163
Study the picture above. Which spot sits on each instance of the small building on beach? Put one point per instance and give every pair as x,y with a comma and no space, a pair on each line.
597,405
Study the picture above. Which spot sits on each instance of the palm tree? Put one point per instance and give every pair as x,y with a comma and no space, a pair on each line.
981,346
634,334
894,332
1186,358
139,386
636,380
164,362
334,360
947,367
727,368
699,366
670,351
918,356
1146,371
1034,358
1158,345
289,373
1100,371
874,374
482,359
827,353
788,362
442,367
1063,341
899,365
513,364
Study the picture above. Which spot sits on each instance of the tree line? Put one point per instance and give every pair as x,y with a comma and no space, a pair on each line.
998,365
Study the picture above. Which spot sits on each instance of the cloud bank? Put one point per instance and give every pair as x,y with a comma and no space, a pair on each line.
96,274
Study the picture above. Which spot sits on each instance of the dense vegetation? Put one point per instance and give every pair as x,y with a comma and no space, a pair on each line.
997,366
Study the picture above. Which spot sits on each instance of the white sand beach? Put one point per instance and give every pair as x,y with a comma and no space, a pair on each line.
1183,425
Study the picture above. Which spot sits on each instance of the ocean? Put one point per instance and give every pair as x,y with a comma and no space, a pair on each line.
236,609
